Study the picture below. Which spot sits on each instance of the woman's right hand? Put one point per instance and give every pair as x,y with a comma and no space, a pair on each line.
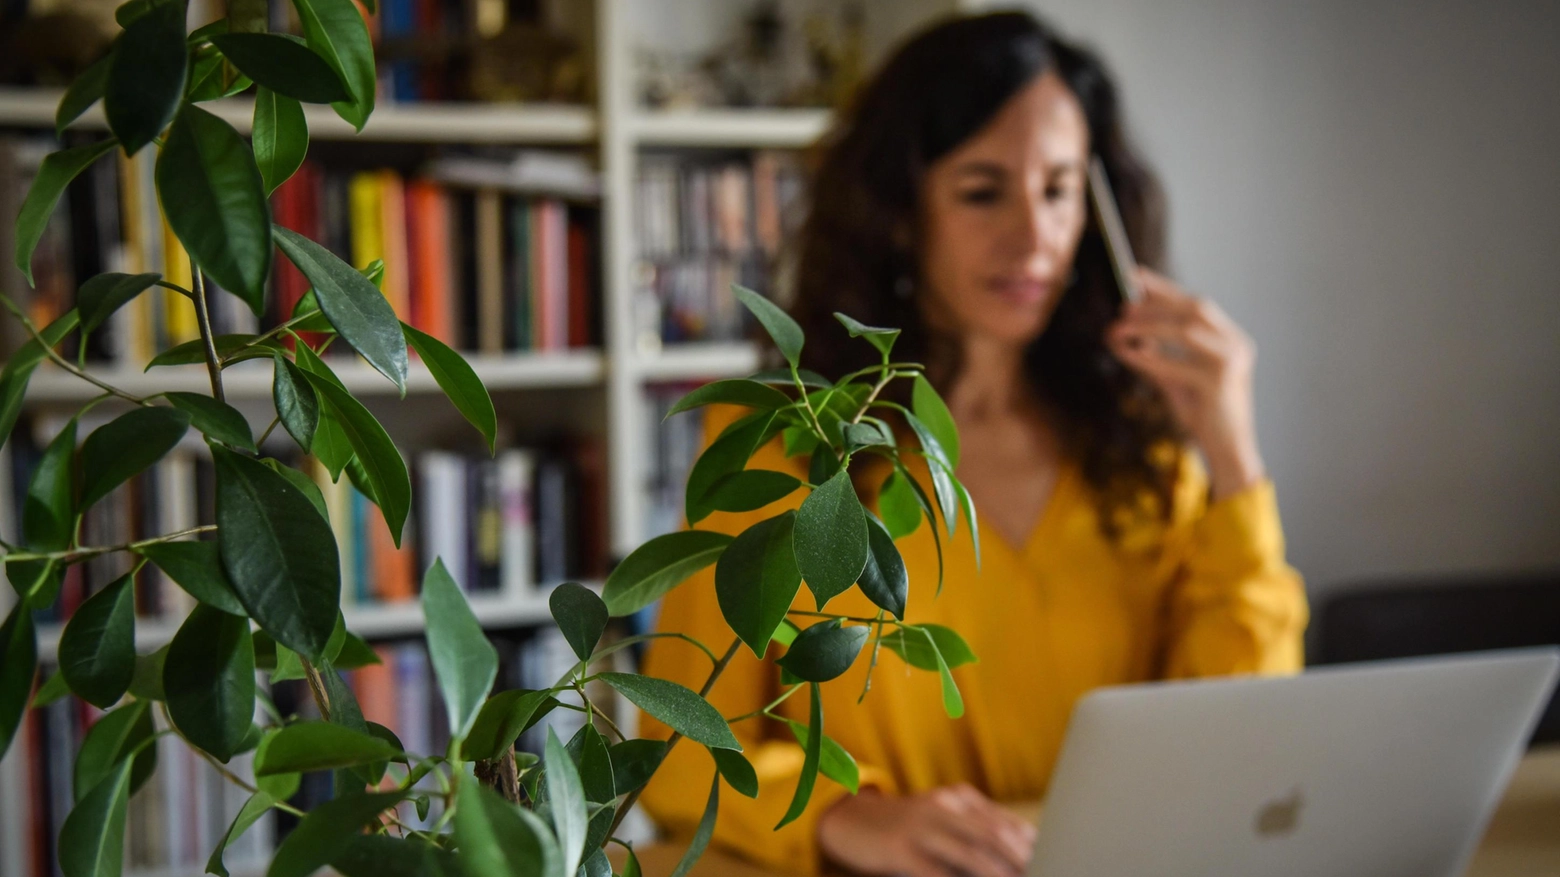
947,832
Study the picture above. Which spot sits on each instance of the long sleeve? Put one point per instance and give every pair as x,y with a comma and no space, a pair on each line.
1235,605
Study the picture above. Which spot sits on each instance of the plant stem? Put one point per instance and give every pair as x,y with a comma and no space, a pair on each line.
222,769
267,434
174,287
772,704
720,667
79,554
856,618
600,713
316,687
59,360
203,315
278,330
877,645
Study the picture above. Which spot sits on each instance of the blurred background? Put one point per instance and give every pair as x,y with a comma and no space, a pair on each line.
566,189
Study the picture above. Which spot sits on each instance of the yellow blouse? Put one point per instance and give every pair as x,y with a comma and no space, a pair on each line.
1208,593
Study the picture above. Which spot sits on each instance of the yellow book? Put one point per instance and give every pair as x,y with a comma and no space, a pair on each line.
392,218
364,206
137,343
179,319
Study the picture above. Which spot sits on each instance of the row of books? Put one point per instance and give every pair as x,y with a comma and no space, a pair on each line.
702,226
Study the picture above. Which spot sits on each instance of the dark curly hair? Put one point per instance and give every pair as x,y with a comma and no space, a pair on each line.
856,249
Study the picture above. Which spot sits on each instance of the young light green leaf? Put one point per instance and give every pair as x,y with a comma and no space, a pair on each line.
19,368
355,653
330,445
921,645
56,172
884,579
125,446
354,305
92,840
728,454
279,554
284,65
255,807
110,740
824,651
388,477
953,702
327,831
737,770
932,411
882,339
497,838
812,751
898,507
702,834
230,349
18,666
580,615
756,580
100,296
749,489
147,684
464,662
865,435
97,647
504,717
798,440
680,708
48,512
925,504
280,135
968,504
831,538
658,566
737,391
458,380
565,801
215,201
50,691
336,31
218,420
209,678
84,91
833,761
146,75
634,762
786,333
295,401
309,746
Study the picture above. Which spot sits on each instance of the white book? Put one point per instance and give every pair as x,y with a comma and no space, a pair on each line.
517,552
176,510
445,513
338,505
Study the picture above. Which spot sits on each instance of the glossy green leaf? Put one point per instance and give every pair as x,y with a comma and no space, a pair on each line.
738,772
280,135
932,411
824,651
884,579
865,435
658,566
464,662
968,504
125,446
680,708
898,507
327,831
589,751
831,538
812,751
255,807
304,483
288,666
215,201
209,678
938,467
50,691
309,746
786,333
580,615
953,701
634,762
921,646
97,647
798,440
728,454
357,309
92,839
54,174
833,761
925,503
384,855
630,863
756,580
23,361
335,30
355,653
85,90
218,420
736,391
882,339
284,65
101,296
111,739
749,490
207,69
330,445
458,380
18,666
566,802
146,75
497,838
280,555
388,477
48,511
230,349
504,717
147,684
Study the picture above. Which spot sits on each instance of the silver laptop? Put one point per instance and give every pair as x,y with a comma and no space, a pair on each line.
1381,769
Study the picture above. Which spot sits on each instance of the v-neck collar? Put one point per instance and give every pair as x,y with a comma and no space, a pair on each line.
1043,523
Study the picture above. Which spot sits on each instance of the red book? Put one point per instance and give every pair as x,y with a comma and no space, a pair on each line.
579,283
428,242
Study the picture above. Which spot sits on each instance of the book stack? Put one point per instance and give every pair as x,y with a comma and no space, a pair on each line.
702,226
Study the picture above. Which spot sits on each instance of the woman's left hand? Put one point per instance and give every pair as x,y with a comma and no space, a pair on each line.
1202,363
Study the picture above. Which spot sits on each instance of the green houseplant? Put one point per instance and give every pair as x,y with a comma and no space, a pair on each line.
267,584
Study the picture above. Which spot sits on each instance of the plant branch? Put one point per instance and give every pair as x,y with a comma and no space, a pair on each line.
600,713
208,341
76,555
316,687
856,618
877,646
175,287
872,396
221,769
772,704
61,361
284,328
268,430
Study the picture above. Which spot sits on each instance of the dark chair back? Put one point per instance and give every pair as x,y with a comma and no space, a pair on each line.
1409,619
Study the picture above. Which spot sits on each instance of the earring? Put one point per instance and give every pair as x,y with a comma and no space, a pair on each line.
904,287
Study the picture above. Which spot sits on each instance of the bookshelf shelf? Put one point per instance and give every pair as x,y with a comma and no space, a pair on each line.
700,361
741,128
574,368
425,123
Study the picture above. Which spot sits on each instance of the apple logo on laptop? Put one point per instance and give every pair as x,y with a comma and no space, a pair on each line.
1281,816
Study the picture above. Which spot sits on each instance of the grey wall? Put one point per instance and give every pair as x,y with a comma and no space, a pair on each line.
1373,190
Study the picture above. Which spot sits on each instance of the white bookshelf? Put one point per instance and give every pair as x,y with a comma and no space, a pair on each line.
736,128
